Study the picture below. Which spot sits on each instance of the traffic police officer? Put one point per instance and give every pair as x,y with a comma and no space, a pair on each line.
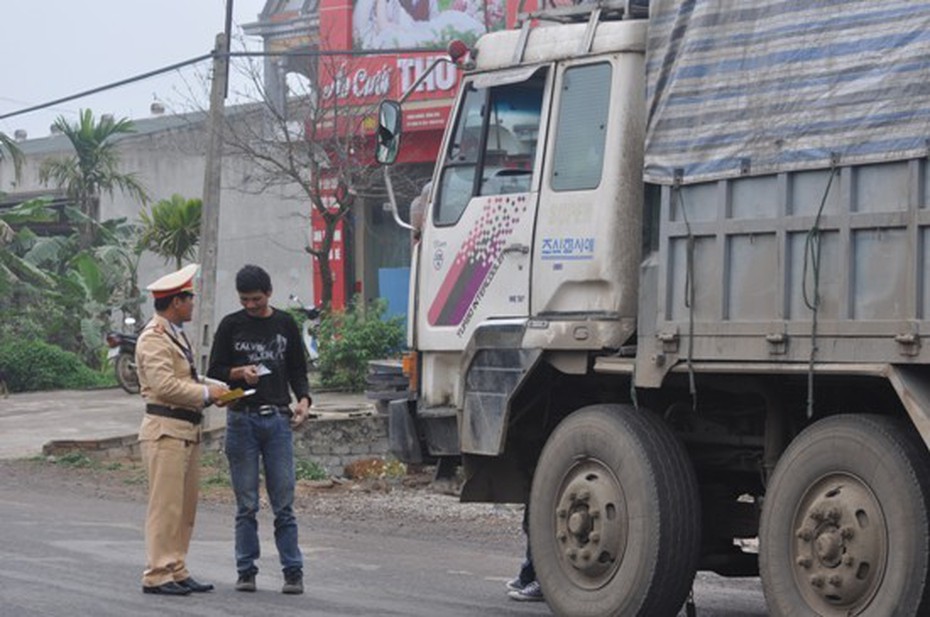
170,434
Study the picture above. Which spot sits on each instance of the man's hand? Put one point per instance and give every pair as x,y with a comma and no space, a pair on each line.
300,412
249,373
216,391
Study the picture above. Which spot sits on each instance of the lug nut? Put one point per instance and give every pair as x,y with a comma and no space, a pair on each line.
848,532
572,554
836,580
562,536
594,537
817,581
586,555
584,496
817,515
804,562
849,560
833,514
562,512
594,514
805,534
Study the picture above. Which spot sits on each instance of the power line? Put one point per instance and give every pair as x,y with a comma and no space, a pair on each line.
338,52
109,86
233,54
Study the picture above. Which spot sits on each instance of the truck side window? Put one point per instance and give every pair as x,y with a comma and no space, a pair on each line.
578,159
493,147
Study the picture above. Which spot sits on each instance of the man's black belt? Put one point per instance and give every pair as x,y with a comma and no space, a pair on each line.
173,412
262,410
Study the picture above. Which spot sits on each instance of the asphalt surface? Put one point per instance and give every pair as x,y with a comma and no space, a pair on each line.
70,552
66,554
30,420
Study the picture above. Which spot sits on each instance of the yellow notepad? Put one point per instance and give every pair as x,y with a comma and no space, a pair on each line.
232,395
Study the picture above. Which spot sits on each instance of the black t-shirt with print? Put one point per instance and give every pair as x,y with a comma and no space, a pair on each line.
273,342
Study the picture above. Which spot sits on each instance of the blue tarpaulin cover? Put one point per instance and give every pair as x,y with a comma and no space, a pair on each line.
736,88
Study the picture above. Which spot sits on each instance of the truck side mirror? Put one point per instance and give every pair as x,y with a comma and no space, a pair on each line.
390,121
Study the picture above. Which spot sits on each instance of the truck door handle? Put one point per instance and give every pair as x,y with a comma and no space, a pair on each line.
517,248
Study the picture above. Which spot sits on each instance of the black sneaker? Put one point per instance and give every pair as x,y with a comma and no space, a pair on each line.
246,582
293,583
530,593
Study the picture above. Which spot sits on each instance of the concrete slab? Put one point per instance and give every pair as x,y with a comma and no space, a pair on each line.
30,420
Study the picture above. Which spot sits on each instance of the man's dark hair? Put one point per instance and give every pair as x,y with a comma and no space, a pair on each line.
162,304
252,278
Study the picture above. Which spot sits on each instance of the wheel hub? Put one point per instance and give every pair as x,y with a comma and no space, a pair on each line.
840,546
591,524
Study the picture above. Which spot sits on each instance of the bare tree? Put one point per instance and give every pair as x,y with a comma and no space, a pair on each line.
315,139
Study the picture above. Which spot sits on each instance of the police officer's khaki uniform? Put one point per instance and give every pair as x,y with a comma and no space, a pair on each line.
170,450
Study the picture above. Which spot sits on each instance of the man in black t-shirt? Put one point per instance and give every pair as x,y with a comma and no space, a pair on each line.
260,348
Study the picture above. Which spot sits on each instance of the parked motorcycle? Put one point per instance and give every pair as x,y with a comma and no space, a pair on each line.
308,330
123,355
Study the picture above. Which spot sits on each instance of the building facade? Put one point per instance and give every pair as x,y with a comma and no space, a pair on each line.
366,51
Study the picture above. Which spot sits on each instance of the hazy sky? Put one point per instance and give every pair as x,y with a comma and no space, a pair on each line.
53,48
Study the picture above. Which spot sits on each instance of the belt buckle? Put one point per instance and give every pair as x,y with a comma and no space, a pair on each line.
267,410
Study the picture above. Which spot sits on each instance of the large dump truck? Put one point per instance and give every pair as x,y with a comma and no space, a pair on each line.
671,292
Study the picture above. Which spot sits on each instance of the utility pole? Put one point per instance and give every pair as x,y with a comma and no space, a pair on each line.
210,215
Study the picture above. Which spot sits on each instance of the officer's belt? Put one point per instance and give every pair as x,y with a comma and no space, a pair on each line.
173,412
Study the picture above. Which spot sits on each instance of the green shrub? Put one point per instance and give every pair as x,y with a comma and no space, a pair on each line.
30,365
348,340
309,470
78,460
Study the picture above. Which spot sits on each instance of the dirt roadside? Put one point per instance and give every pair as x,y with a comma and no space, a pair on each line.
408,506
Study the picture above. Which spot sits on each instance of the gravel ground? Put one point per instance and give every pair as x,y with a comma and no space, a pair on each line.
407,507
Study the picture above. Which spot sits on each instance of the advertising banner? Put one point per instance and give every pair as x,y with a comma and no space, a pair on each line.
393,24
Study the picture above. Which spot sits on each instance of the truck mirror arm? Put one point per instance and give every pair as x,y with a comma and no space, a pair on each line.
421,78
393,199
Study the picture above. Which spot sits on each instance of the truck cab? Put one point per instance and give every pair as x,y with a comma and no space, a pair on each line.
531,245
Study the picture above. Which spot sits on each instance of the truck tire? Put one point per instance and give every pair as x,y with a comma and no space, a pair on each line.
126,375
845,526
614,516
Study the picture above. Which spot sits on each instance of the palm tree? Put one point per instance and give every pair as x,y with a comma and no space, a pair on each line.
172,229
94,168
9,148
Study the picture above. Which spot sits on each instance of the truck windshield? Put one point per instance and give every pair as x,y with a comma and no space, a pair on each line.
493,147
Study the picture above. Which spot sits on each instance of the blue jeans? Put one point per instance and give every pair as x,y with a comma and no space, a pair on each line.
248,437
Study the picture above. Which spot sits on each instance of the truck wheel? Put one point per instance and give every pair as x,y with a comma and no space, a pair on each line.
614,516
126,376
845,526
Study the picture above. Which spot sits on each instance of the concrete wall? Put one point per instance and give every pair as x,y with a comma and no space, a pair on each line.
331,442
335,442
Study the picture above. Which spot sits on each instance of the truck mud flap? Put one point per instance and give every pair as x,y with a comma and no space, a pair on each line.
496,370
437,435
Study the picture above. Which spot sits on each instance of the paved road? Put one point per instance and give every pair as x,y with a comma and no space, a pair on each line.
74,555
65,553
70,553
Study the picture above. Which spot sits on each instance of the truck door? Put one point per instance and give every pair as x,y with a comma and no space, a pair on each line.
476,248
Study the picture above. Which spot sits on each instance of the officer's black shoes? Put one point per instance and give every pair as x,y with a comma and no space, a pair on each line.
167,589
194,586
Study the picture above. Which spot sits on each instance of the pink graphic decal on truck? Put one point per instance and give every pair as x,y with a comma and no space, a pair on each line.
477,260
